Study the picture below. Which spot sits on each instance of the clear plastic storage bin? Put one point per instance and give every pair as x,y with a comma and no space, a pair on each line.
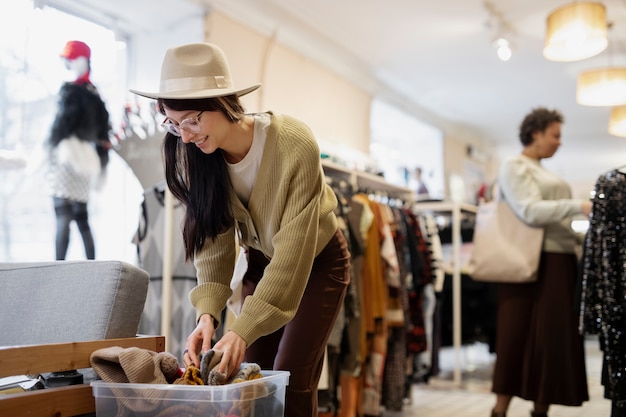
263,397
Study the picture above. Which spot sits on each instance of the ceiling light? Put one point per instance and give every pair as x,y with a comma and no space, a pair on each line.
576,31
503,31
617,122
503,49
602,87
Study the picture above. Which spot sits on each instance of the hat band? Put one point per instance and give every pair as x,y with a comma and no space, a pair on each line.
194,83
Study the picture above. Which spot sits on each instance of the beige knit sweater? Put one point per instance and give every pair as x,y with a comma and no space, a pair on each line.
541,198
289,218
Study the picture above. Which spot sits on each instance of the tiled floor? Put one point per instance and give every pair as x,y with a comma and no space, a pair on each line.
473,398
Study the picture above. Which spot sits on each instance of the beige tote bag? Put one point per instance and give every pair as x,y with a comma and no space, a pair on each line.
505,248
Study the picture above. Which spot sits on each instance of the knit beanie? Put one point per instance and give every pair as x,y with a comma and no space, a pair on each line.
134,365
137,366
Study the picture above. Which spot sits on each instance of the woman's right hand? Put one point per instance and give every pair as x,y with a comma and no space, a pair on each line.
586,208
199,340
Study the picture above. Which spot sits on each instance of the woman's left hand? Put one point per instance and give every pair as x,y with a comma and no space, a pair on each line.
199,340
233,349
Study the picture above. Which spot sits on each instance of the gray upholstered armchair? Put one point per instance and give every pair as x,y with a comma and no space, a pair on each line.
53,315
70,301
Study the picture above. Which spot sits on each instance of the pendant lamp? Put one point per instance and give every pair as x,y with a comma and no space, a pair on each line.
617,122
576,31
602,87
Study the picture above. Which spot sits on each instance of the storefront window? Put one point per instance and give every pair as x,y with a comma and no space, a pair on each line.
31,73
401,144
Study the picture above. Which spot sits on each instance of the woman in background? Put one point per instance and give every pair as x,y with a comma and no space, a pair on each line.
539,352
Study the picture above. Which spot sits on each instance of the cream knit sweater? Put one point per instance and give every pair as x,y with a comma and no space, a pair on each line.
541,198
289,218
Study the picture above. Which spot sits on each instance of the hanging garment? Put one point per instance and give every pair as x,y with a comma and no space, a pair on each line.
421,275
394,375
375,297
603,282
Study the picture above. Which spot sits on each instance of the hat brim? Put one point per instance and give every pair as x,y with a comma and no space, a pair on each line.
194,94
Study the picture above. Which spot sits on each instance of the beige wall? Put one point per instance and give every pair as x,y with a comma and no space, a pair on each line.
477,169
335,109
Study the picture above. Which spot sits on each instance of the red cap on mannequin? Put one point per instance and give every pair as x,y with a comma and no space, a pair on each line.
75,49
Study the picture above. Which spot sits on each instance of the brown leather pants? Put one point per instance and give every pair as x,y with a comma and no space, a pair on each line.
299,347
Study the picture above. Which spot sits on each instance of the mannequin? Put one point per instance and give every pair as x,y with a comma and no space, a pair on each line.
78,148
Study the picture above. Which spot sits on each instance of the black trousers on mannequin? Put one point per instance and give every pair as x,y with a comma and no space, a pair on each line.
299,347
67,210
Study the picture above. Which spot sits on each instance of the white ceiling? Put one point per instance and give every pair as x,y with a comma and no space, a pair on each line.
439,55
434,57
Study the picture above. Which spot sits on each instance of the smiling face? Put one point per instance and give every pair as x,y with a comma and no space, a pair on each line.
545,143
212,128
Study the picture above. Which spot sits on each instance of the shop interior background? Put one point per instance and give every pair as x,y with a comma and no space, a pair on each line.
32,72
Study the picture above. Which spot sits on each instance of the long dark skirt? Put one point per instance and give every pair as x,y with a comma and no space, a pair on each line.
539,352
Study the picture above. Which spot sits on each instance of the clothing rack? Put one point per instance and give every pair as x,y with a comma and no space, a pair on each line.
367,182
456,209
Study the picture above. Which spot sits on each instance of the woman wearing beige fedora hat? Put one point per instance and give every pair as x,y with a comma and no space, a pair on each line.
256,180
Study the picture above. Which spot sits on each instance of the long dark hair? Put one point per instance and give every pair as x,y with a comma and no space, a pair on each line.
200,181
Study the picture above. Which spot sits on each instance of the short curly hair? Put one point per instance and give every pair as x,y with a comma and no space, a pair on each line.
537,120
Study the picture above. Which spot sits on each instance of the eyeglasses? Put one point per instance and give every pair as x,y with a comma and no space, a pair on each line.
190,125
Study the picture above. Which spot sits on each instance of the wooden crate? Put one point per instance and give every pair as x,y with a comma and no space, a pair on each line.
62,401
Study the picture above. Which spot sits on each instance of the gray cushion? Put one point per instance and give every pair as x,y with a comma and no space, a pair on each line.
65,301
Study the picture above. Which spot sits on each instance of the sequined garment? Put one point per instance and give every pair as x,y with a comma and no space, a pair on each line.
603,296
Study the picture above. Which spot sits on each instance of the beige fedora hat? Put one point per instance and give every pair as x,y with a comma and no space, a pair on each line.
196,70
